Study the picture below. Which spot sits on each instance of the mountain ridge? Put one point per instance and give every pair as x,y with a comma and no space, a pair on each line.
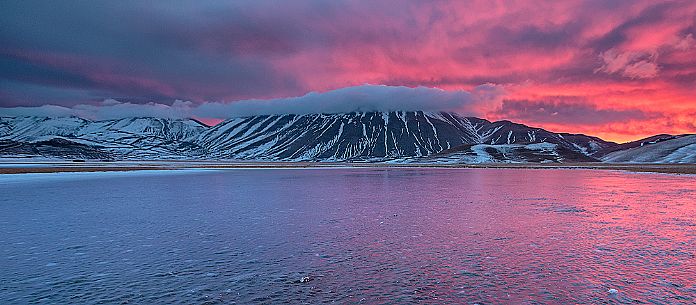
395,136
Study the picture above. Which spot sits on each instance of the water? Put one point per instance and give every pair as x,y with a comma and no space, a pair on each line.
467,236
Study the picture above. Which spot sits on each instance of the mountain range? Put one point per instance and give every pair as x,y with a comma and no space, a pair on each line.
397,136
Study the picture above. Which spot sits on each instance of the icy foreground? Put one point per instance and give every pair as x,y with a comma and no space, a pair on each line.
398,136
444,236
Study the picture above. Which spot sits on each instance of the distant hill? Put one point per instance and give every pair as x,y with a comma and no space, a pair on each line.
655,149
130,138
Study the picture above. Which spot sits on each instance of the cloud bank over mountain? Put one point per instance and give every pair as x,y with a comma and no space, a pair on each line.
363,98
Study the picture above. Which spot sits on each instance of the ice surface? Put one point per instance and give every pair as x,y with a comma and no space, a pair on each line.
455,236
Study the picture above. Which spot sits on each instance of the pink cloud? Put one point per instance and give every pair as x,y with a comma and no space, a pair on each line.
617,57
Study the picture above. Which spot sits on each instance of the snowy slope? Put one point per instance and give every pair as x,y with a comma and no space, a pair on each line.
371,136
336,136
642,142
146,137
54,148
124,138
39,128
5,127
679,149
506,153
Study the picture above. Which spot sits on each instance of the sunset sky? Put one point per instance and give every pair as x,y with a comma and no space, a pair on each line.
621,70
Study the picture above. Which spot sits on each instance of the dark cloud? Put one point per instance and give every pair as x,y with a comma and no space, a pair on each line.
29,94
564,110
113,47
535,37
648,16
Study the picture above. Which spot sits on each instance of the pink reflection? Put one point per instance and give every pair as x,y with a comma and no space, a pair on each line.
520,236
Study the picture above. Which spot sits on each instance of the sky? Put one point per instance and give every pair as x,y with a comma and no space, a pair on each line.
621,70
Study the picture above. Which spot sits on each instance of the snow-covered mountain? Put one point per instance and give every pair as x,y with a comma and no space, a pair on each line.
373,136
656,149
366,136
397,136
133,138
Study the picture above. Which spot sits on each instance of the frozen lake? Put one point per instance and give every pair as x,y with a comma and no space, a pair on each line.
370,235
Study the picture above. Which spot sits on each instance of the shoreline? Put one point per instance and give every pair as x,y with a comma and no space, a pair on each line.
62,166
